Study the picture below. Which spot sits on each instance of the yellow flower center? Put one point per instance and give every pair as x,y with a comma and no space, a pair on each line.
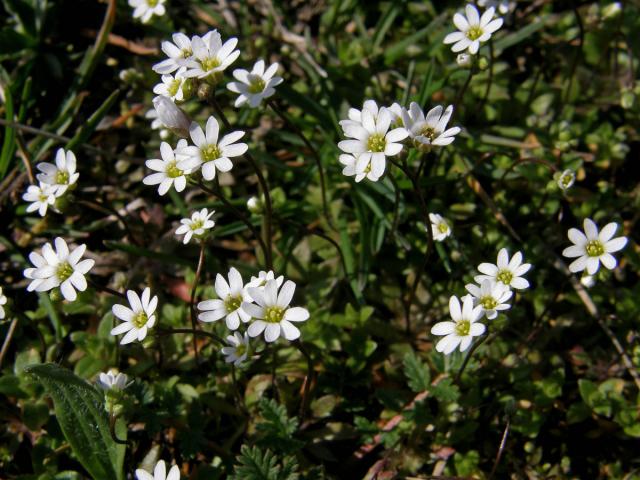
62,177
474,32
256,86
210,63
376,143
488,302
462,328
232,303
505,276
152,3
443,227
274,314
428,132
64,271
173,171
210,152
174,86
594,248
140,319
186,52
241,349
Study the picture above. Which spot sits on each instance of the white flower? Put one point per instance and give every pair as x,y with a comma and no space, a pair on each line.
196,225
59,268
159,473
238,348
463,328
439,226
355,116
361,170
172,116
592,247
272,314
503,6
429,130
3,301
370,141
145,9
61,175
566,179
395,110
41,197
229,303
491,296
587,280
156,124
208,152
464,60
210,56
255,205
507,272
138,318
473,29
171,86
256,85
168,173
112,380
178,52
263,277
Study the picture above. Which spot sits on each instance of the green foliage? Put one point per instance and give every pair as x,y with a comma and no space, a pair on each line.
277,430
417,373
257,464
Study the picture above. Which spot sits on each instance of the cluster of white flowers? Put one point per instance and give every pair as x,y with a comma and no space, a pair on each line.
54,180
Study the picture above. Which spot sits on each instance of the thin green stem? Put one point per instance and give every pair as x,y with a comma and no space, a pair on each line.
192,300
475,346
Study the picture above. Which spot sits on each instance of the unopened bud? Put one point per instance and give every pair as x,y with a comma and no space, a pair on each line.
464,60
172,116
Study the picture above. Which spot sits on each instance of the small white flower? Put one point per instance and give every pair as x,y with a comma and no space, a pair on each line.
566,179
272,314
255,205
355,116
137,318
3,302
229,304
159,473
196,225
491,296
238,348
41,196
503,6
439,226
112,380
592,247
370,140
263,277
395,110
145,9
507,272
256,85
178,52
59,268
464,327
172,116
210,56
587,280
171,86
361,170
473,29
61,175
168,173
208,152
429,130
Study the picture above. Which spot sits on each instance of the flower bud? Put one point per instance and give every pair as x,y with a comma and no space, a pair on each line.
464,60
254,205
566,179
172,116
483,63
627,99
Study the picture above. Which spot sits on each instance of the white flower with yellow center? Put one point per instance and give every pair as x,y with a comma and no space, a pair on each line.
3,302
430,129
197,225
272,313
360,171
59,268
209,153
159,473
137,318
61,175
462,329
210,56
592,247
263,277
145,9
112,380
171,86
566,179
491,296
439,226
505,271
168,173
229,304
370,141
178,52
238,348
473,29
41,196
256,85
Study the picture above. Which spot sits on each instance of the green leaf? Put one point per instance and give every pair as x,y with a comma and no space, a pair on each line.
90,126
79,409
417,373
255,464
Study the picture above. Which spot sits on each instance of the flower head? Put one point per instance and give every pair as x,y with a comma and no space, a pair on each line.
362,170
430,129
566,179
238,348
354,116
504,271
61,175
159,473
272,312
137,318
263,277
168,171
462,329
209,153
473,29
3,302
145,9
491,296
59,268
593,247
172,86
112,380
172,116
41,196
439,226
229,304
210,56
196,225
256,85
178,52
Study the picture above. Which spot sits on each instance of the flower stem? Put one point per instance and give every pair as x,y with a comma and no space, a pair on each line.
307,381
108,290
468,357
202,333
192,307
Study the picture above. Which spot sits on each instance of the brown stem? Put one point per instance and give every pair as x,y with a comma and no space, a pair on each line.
503,442
7,339
108,290
307,381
